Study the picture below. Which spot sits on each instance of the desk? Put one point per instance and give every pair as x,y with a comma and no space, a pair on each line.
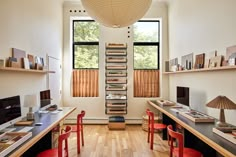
202,131
49,121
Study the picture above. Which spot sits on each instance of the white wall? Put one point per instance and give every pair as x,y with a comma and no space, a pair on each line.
201,27
95,107
33,26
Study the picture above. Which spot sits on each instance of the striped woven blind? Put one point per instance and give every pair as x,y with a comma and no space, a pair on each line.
146,83
85,83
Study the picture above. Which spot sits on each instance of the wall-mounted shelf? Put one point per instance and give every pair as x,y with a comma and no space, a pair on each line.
116,84
25,70
116,78
203,70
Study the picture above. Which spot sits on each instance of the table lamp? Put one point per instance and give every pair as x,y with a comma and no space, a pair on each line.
30,101
221,102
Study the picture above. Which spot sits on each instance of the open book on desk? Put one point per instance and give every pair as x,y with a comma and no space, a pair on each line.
196,116
165,102
9,141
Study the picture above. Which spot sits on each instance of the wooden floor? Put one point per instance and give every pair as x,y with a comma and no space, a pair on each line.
131,142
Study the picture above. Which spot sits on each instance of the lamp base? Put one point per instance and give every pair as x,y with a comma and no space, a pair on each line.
30,116
221,124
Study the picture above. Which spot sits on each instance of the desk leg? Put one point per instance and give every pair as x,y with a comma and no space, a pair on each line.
43,144
167,121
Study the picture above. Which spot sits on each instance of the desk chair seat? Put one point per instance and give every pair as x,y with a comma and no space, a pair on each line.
152,126
51,153
80,132
179,151
62,150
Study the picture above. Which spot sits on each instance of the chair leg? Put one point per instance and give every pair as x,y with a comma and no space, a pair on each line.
82,135
78,139
148,135
152,137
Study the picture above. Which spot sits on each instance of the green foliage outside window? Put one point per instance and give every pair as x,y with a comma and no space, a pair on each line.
145,57
86,37
86,56
146,52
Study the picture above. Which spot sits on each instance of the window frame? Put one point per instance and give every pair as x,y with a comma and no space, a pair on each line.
84,43
157,44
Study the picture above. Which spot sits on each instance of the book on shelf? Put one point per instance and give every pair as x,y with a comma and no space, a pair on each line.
113,79
117,109
116,96
116,45
116,80
116,66
116,59
115,72
116,86
116,52
116,104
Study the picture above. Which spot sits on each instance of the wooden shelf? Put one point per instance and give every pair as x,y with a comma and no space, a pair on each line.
25,70
203,70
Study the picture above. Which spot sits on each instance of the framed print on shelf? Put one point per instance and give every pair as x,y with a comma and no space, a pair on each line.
173,64
31,61
215,61
208,57
26,63
187,61
199,61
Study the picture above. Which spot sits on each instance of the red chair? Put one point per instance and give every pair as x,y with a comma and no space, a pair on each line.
152,126
80,130
179,151
62,150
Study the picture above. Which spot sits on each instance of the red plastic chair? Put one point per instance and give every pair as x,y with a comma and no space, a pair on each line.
152,126
179,151
62,142
80,130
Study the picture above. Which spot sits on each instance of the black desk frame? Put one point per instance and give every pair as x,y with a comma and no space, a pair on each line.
41,135
197,135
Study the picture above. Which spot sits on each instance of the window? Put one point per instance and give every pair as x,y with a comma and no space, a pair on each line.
85,58
146,58
85,44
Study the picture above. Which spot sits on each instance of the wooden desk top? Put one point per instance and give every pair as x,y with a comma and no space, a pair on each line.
201,130
49,121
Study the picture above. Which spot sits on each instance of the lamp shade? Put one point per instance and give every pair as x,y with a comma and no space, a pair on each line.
116,13
30,100
221,102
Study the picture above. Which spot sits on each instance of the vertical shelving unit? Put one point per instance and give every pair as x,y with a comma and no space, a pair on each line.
116,84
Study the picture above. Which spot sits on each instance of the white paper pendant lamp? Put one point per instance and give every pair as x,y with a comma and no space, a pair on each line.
116,13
